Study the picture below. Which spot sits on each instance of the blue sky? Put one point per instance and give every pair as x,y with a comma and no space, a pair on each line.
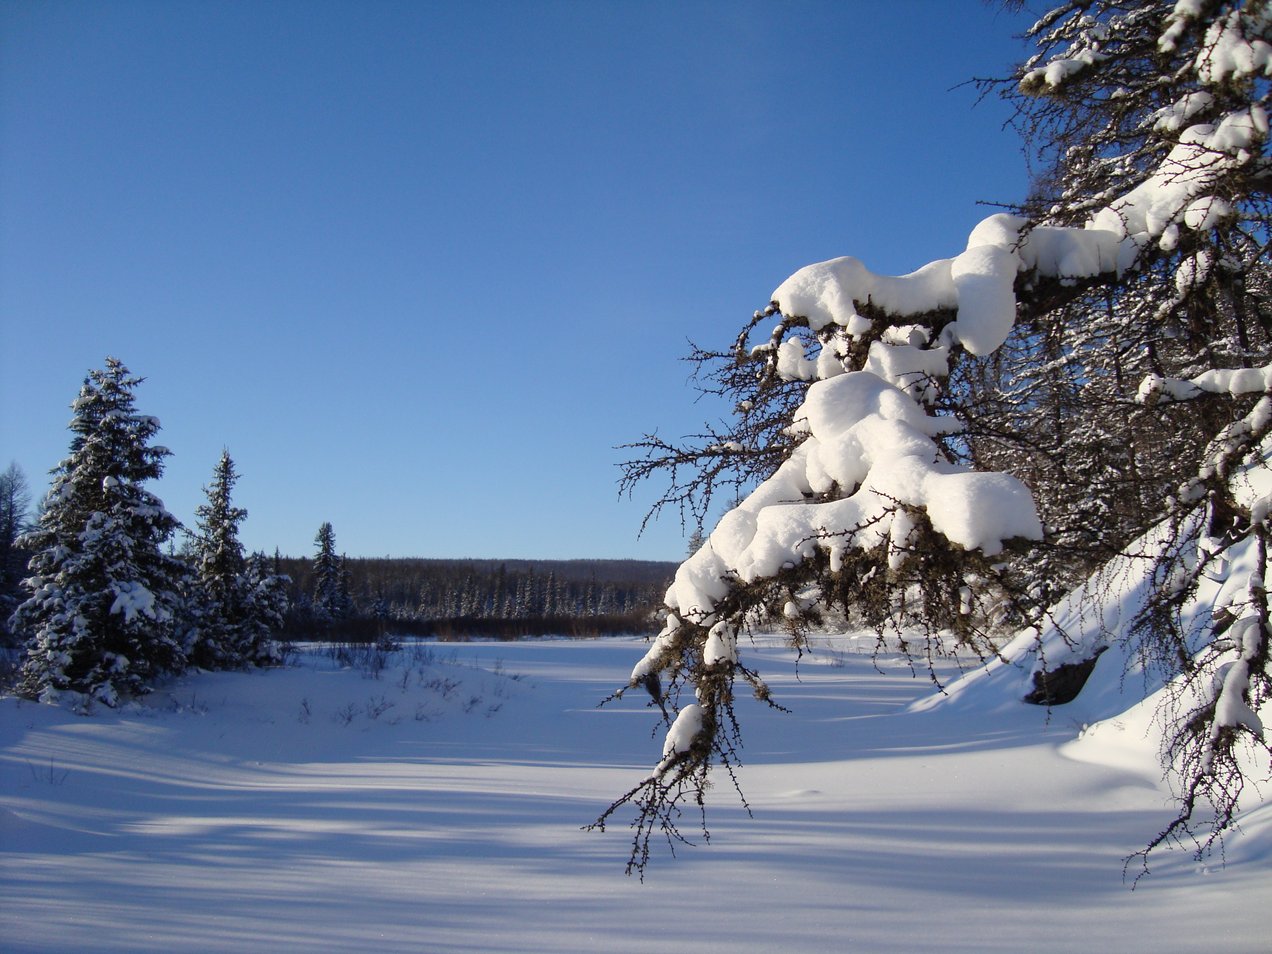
421,266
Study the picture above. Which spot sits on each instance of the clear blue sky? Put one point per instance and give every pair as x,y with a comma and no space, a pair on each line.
420,266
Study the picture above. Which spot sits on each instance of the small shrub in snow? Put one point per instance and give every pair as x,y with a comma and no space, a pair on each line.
346,713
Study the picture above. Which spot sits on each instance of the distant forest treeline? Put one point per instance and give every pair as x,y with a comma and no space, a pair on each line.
452,598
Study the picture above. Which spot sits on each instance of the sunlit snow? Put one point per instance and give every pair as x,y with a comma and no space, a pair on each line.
438,807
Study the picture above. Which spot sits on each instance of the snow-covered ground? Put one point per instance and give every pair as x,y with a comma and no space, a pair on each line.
440,805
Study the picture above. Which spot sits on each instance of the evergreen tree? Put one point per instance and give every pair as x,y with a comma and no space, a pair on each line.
265,591
241,601
105,611
220,564
330,585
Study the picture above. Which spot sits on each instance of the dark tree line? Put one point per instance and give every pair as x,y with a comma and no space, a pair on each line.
441,597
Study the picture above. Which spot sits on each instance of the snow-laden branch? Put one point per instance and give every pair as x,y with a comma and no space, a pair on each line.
869,441
1231,702
1232,381
1156,117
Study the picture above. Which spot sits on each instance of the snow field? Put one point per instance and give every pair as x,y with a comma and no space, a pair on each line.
293,810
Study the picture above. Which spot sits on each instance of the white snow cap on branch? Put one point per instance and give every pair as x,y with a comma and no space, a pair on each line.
680,736
979,284
133,599
871,440
722,645
1233,381
1180,190
1231,708
828,293
867,435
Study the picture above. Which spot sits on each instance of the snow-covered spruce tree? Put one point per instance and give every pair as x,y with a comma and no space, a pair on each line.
266,592
104,615
239,607
903,436
219,563
331,583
